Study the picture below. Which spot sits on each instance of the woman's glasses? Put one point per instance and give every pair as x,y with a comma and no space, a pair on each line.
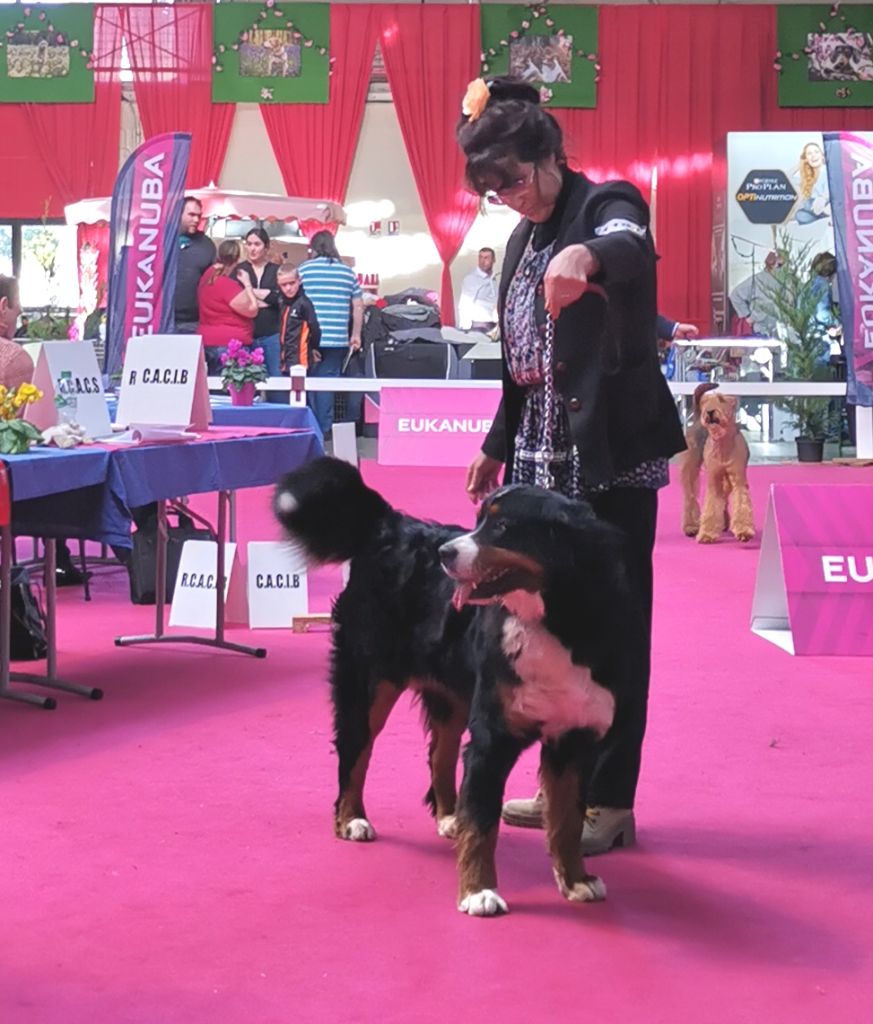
498,196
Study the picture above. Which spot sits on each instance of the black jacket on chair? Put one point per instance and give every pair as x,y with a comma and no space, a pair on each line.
605,358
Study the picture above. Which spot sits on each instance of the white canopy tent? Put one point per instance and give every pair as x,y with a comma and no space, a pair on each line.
220,203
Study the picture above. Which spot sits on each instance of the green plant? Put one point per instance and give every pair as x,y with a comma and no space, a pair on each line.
793,304
241,364
50,328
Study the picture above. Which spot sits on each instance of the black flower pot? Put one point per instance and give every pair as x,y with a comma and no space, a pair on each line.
809,449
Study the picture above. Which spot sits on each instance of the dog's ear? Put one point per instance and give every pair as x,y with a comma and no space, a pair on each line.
575,513
730,402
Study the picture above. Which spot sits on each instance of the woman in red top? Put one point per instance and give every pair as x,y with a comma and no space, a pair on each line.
227,305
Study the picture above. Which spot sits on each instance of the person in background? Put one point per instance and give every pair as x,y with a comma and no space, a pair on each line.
333,290
752,299
228,305
21,331
262,272
477,306
196,253
16,368
299,332
668,331
578,321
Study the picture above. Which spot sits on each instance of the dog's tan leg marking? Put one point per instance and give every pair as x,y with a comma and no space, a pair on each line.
564,819
445,746
742,518
712,519
477,871
689,475
351,818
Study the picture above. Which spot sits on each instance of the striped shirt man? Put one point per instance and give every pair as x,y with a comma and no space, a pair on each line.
331,287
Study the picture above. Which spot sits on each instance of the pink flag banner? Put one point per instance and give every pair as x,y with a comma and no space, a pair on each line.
849,158
814,589
144,249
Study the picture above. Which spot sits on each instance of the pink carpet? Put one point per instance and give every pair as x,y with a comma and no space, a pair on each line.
168,853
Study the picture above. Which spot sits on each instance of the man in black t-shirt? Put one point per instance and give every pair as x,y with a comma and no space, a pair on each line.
196,253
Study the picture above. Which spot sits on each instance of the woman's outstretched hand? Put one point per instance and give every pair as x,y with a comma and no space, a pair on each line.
483,477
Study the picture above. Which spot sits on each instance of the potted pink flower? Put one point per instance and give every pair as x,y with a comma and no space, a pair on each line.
242,367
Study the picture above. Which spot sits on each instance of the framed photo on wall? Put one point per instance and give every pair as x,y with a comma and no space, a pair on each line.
271,53
825,56
553,48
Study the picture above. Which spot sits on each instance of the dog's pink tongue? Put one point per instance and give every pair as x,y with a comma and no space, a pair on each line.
459,597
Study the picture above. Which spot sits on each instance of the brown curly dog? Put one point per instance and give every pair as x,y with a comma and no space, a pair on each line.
716,443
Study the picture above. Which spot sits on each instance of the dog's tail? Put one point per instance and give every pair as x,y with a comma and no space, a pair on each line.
326,508
699,392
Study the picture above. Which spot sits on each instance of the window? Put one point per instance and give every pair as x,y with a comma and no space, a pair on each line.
49,273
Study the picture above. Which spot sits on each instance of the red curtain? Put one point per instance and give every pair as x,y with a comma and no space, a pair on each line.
431,53
315,143
619,138
78,142
170,50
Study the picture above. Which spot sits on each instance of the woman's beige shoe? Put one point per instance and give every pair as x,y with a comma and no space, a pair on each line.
607,828
524,813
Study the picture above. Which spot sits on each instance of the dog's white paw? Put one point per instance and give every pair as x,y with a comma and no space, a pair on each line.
447,827
359,830
591,889
486,903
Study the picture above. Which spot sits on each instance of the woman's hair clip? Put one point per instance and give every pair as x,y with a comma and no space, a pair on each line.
475,99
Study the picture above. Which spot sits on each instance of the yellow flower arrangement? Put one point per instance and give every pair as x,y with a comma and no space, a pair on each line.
16,435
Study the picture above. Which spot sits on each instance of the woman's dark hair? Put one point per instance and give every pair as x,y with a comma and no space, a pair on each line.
259,233
513,128
825,264
228,256
323,244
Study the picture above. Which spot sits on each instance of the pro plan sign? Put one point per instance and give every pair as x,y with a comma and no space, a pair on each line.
163,383
814,591
766,197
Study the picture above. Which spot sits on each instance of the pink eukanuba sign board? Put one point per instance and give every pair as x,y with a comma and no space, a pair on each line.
814,589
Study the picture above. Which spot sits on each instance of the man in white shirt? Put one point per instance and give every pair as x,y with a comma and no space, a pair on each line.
477,307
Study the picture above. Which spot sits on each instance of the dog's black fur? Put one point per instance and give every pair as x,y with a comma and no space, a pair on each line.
539,571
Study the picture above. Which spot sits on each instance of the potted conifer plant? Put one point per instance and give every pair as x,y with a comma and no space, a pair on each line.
807,344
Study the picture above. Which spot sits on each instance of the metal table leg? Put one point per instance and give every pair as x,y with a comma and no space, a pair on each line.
50,679
159,636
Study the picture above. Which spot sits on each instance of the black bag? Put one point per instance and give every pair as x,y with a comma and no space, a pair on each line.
144,558
28,640
404,316
413,359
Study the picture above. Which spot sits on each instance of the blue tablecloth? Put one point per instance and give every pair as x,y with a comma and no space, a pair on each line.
88,492
140,475
44,471
262,414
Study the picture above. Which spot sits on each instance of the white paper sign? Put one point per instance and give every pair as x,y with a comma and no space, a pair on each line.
277,585
67,372
194,593
163,382
345,443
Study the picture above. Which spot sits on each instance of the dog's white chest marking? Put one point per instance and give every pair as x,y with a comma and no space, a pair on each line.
554,693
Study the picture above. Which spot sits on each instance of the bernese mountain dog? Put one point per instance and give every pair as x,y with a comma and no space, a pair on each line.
523,630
